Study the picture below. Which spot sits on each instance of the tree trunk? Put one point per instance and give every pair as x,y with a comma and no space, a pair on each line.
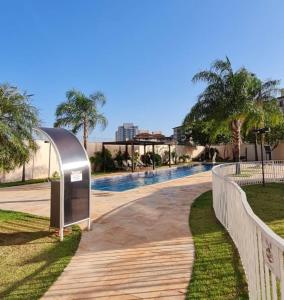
24,173
236,133
85,134
255,148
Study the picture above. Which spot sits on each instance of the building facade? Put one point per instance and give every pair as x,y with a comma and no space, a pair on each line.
126,132
179,134
182,136
281,100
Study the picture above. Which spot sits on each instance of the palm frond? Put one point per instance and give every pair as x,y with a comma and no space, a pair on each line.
222,66
18,117
80,111
98,98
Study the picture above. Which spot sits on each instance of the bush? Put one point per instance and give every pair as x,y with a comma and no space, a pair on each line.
148,159
120,157
158,159
174,157
212,152
98,161
207,154
166,157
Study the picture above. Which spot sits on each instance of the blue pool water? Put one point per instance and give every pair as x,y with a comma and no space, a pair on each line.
131,181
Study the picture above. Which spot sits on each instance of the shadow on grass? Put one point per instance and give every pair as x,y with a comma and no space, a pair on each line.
35,258
217,271
21,238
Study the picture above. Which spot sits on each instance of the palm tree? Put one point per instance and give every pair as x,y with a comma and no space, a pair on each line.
231,98
17,120
81,112
266,110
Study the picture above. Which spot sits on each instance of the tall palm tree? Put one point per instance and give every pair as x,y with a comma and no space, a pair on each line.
17,120
266,110
81,112
230,98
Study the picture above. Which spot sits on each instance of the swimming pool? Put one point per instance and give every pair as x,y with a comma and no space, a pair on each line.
131,181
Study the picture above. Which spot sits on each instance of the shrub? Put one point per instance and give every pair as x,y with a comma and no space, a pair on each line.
174,156
98,161
55,175
121,156
212,152
166,157
148,158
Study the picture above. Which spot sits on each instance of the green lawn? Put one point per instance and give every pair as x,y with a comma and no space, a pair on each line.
268,204
16,183
217,271
31,257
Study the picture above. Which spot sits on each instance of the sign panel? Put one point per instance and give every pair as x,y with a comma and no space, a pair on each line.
76,176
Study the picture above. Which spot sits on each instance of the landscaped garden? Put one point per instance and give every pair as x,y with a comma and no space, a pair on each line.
217,271
119,122
229,110
31,256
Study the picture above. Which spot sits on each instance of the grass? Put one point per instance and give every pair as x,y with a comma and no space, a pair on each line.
267,203
217,271
31,257
243,174
16,183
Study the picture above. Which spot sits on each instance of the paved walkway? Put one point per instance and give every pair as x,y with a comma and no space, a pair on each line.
140,246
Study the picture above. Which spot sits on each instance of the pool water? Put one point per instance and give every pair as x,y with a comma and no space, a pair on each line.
135,180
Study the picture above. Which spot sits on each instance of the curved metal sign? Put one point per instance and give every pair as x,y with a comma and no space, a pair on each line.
74,176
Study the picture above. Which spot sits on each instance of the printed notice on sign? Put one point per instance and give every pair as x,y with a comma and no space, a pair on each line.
76,176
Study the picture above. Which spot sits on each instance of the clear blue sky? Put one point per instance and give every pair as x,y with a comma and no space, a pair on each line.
141,54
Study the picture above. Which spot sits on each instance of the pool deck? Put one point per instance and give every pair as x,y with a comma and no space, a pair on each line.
140,246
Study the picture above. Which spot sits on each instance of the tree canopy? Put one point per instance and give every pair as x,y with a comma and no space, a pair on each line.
80,112
236,100
17,120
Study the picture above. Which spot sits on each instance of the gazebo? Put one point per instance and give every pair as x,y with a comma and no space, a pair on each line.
133,143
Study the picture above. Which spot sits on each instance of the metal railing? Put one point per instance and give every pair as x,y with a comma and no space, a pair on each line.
261,250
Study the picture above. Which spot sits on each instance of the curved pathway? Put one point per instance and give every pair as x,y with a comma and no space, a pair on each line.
140,246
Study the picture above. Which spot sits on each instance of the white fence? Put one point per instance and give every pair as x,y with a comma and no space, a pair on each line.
261,250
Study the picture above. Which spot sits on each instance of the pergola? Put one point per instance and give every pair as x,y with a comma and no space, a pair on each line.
133,143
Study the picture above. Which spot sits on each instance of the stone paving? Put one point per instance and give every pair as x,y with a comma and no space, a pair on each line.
140,246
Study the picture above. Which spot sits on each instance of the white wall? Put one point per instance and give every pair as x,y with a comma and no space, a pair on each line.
226,151
278,152
37,167
93,147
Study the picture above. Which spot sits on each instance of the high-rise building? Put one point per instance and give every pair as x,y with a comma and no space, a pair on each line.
126,132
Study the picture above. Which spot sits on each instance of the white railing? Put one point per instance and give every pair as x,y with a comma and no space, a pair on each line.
261,250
